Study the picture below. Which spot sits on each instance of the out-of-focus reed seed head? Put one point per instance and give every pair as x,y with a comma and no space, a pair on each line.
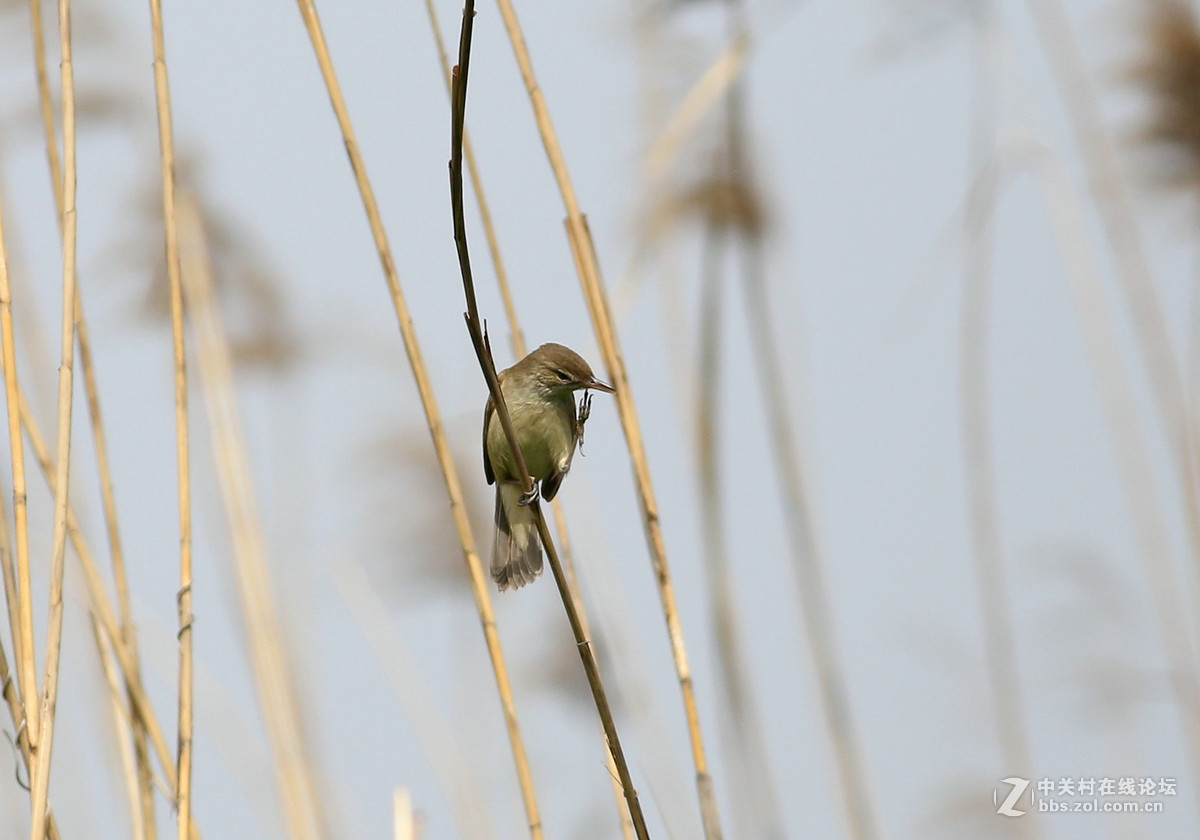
1168,71
418,547
262,335
731,204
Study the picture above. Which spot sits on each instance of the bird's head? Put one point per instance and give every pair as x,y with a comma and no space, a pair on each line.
559,370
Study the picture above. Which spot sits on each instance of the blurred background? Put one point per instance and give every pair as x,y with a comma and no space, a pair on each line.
907,295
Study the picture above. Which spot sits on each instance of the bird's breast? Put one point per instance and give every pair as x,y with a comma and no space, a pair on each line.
545,431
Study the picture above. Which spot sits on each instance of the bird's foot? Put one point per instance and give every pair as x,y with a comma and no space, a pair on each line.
585,411
530,497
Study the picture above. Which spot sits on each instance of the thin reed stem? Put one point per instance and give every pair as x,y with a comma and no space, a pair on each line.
8,684
20,599
186,717
520,349
123,724
479,582
487,365
44,747
103,609
8,690
99,439
602,323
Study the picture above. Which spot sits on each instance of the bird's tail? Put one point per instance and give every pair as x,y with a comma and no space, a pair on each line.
517,550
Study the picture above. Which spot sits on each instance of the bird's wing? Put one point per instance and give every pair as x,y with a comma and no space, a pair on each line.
488,411
552,482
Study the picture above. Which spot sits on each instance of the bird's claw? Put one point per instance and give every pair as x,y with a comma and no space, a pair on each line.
585,411
530,497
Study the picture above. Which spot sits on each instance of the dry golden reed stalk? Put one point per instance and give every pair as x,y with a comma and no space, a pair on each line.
20,612
300,794
483,353
123,724
186,716
404,826
479,581
9,686
602,324
129,633
519,351
44,746
103,609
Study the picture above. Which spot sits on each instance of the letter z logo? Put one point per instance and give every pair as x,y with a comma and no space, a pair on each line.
1019,786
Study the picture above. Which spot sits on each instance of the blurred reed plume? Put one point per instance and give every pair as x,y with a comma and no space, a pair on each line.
299,787
417,544
261,330
1168,70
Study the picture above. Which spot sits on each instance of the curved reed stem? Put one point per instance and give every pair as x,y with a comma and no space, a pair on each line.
483,353
602,323
479,581
519,351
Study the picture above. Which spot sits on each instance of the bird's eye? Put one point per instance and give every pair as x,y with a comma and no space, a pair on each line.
562,377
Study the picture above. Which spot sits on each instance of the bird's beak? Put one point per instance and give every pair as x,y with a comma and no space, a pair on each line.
597,385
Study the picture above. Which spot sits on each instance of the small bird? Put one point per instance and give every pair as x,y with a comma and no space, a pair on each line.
539,391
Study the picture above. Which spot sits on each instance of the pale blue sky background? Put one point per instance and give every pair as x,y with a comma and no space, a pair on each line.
865,163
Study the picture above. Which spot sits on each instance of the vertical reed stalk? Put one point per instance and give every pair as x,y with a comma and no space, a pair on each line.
8,685
8,690
108,498
602,324
186,717
101,606
45,744
123,724
519,351
483,353
403,824
299,792
479,581
20,603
